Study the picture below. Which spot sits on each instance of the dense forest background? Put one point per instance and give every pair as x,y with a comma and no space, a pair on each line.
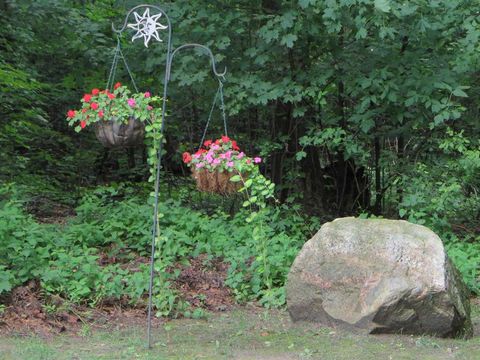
359,107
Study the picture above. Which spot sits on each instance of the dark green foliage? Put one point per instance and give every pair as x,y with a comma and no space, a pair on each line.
358,107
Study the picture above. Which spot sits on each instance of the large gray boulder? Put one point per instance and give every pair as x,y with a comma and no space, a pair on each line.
378,276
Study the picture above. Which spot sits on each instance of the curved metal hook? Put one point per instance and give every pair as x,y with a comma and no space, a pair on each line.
220,76
143,6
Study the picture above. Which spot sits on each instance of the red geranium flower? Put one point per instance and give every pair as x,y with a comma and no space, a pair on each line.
235,146
71,113
117,85
111,96
100,114
83,123
187,157
200,151
95,92
217,142
225,139
94,106
87,97
207,143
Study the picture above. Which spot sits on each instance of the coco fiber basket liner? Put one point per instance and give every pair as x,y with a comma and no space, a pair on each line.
215,181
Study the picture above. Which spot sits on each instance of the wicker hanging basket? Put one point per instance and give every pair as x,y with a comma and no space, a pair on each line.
114,134
215,181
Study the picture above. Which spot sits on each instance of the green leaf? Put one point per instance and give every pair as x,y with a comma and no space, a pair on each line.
5,284
288,40
383,5
300,155
460,93
367,124
287,20
361,33
306,3
235,178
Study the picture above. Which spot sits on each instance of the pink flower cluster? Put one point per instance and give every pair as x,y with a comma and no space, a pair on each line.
223,154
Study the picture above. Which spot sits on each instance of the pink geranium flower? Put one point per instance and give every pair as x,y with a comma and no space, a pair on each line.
131,102
257,160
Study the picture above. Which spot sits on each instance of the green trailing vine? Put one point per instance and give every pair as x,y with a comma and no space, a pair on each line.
258,190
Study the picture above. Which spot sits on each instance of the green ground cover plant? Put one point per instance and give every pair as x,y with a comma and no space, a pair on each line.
116,221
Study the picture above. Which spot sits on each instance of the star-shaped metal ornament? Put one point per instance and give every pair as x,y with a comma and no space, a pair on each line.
147,27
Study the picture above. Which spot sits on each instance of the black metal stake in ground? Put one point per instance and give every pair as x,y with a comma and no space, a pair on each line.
147,26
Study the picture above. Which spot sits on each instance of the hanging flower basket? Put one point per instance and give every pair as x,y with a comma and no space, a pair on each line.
112,133
118,117
215,164
215,182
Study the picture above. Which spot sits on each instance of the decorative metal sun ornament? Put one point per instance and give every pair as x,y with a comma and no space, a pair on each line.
147,27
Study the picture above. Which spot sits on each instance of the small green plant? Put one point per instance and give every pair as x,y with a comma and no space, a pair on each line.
86,330
50,308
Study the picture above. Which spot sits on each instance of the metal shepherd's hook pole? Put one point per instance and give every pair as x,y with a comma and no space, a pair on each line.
147,27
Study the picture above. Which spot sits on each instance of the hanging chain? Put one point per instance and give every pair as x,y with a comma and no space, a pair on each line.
209,118
111,77
128,70
222,107
113,69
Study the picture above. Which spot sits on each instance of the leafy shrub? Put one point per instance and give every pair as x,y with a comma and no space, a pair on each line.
466,257
26,246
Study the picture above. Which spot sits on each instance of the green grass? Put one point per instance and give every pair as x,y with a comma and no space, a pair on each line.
241,334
